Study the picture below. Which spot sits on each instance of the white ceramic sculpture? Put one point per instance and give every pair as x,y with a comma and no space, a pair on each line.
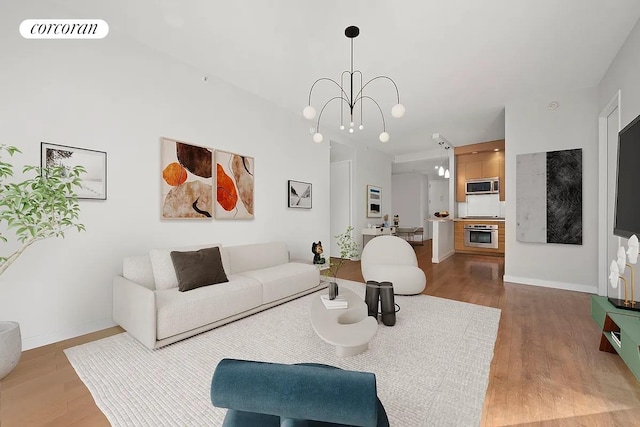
614,274
632,252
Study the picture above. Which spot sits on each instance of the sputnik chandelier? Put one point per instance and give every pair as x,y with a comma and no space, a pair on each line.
349,100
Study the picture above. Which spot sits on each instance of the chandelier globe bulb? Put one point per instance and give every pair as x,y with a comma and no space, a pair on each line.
309,112
397,111
317,137
384,137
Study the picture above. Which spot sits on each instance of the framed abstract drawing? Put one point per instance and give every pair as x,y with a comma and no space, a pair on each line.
94,181
187,180
374,201
234,186
299,194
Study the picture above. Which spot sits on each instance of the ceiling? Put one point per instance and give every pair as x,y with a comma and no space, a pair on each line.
456,63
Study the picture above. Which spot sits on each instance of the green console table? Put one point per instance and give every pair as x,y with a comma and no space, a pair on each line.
624,322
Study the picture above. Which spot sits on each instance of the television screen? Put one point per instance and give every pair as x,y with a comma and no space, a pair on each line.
627,211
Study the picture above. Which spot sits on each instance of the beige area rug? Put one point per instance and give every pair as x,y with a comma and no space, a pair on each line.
432,367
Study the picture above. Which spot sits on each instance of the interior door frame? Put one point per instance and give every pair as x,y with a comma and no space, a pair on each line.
349,206
603,177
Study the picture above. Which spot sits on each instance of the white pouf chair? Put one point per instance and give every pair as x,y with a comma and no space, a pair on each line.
392,259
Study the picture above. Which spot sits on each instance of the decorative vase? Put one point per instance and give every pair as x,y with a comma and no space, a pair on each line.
10,347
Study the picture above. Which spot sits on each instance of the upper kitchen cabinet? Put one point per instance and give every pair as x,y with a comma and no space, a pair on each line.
479,161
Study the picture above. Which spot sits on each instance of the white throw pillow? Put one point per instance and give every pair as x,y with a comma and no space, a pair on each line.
163,271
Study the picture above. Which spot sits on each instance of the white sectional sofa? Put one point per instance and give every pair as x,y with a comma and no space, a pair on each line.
148,304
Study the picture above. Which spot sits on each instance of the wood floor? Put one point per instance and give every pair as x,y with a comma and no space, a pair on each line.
546,370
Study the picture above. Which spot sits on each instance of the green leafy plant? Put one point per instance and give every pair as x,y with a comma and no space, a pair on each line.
43,205
348,249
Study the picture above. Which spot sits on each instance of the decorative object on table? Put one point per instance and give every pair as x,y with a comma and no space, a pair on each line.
317,250
338,302
396,220
374,200
442,214
616,273
299,194
187,180
94,164
42,206
382,293
346,97
549,197
234,186
348,249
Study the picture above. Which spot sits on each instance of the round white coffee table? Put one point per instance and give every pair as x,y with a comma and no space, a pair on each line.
348,329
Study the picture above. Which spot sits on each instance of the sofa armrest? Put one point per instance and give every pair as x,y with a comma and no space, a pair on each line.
134,308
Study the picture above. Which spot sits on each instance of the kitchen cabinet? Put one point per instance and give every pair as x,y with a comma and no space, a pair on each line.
473,169
458,238
478,164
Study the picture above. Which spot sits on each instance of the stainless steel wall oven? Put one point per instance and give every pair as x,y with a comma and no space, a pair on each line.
481,236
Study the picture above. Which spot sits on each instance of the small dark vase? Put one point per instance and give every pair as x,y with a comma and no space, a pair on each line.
333,290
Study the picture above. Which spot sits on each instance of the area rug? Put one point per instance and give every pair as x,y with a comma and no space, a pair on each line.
432,367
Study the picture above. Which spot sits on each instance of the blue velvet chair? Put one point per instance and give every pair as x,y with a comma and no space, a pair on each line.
273,394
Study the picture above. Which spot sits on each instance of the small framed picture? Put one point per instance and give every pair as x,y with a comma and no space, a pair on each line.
374,200
94,182
299,194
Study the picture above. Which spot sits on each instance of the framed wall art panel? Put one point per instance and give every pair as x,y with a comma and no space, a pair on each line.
299,194
187,180
94,181
234,186
374,201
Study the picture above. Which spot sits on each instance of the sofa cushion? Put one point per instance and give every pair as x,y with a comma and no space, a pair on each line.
163,271
284,280
195,269
179,312
256,256
138,269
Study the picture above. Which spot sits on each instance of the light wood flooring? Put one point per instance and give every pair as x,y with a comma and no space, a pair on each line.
546,370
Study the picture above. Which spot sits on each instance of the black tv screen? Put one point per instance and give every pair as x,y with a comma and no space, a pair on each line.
627,211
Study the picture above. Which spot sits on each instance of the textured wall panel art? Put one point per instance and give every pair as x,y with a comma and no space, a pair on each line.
187,180
234,186
549,197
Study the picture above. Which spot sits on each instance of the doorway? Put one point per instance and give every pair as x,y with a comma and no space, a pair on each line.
340,202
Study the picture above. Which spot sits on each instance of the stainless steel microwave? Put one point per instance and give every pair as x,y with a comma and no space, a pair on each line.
483,186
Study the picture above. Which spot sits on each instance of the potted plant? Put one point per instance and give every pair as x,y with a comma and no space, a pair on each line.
348,249
43,205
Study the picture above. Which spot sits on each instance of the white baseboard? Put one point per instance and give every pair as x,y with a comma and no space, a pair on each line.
590,289
76,331
443,257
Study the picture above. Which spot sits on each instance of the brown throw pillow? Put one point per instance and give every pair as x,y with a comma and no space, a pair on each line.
198,268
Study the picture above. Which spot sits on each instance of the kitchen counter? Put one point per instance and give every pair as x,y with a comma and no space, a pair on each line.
479,219
436,219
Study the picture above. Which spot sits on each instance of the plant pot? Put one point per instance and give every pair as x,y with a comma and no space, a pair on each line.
10,347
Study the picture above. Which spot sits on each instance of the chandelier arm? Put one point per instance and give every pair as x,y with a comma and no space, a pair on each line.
381,77
384,125
360,92
325,106
332,81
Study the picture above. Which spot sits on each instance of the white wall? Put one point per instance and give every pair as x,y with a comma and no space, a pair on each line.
117,96
622,76
530,128
407,194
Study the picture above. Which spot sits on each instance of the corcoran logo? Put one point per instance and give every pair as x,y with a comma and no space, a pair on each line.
64,29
